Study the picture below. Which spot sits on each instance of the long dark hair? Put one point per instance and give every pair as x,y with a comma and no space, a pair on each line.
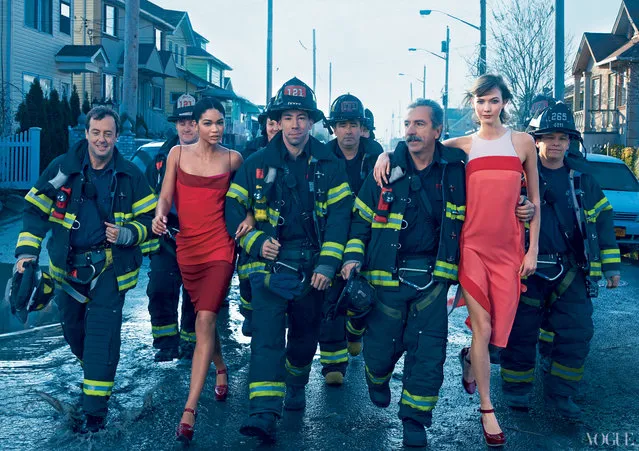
486,83
207,103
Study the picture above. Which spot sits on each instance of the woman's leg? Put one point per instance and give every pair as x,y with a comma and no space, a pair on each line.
480,359
206,346
218,361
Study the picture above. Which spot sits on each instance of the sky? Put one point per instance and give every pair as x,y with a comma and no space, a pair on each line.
367,43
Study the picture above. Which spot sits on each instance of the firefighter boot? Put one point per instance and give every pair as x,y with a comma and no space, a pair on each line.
564,405
260,425
380,395
414,433
295,397
354,348
334,378
92,424
167,354
517,401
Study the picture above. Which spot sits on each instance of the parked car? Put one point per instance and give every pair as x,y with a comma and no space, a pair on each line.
621,188
145,154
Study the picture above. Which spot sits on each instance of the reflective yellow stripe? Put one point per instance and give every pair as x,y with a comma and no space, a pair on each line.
375,379
128,280
273,216
380,278
351,329
332,249
527,376
338,193
97,388
602,205
243,271
546,335
609,256
29,239
365,212
41,201
66,222
297,370
565,372
122,218
144,205
164,331
355,246
248,240
320,209
258,389
595,269
455,211
239,193
445,270
423,403
152,245
328,358
394,221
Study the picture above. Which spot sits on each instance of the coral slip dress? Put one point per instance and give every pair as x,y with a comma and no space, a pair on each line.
205,251
492,239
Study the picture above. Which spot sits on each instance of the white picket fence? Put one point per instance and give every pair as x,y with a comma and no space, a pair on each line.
20,159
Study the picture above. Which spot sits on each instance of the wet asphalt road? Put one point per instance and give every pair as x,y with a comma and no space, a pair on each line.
149,397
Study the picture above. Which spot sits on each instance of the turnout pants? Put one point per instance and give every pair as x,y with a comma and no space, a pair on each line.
416,323
332,340
163,291
276,362
567,311
92,330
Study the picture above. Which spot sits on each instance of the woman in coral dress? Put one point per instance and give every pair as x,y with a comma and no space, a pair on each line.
197,178
492,240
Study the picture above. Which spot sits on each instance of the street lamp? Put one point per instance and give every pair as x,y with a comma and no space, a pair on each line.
402,74
421,80
481,65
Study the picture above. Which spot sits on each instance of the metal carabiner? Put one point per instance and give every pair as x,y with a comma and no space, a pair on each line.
292,269
414,285
550,279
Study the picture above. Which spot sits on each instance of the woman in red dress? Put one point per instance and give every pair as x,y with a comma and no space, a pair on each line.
197,178
492,240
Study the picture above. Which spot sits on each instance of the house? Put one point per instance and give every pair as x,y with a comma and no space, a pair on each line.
32,31
605,93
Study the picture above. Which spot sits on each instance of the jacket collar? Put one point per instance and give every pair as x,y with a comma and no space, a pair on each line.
273,151
74,159
400,163
364,147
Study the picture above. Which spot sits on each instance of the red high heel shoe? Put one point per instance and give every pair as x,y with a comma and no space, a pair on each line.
470,387
221,391
185,431
492,440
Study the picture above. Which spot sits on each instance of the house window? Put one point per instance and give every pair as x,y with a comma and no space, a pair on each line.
182,56
581,95
623,88
38,14
110,22
28,79
65,90
169,46
157,97
596,93
158,39
65,16
108,87
612,91
174,97
215,76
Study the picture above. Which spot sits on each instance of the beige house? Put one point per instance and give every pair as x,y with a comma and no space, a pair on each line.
31,32
606,75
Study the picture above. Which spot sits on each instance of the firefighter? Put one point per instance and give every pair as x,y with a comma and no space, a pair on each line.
298,193
165,280
577,246
270,127
404,240
94,250
339,337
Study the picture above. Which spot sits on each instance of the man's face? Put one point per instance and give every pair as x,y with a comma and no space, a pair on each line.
348,134
296,127
553,146
187,131
419,131
272,127
101,136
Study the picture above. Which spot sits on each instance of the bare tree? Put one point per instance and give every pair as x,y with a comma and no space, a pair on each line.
523,50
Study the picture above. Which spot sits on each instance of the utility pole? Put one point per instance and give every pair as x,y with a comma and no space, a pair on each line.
129,103
330,84
446,48
411,92
269,52
559,50
482,37
424,84
314,61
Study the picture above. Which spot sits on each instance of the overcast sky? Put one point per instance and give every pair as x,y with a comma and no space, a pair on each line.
366,40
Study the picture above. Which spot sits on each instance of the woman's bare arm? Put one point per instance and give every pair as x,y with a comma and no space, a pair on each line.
527,145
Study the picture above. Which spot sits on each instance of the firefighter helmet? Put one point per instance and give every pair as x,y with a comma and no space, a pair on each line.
347,107
295,95
264,115
556,118
370,120
183,108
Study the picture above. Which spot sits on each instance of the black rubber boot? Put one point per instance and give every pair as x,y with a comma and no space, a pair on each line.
166,354
295,397
381,396
261,425
564,405
92,424
414,433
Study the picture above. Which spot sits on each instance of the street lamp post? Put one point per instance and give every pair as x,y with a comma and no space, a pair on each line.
446,50
269,51
481,64
422,81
